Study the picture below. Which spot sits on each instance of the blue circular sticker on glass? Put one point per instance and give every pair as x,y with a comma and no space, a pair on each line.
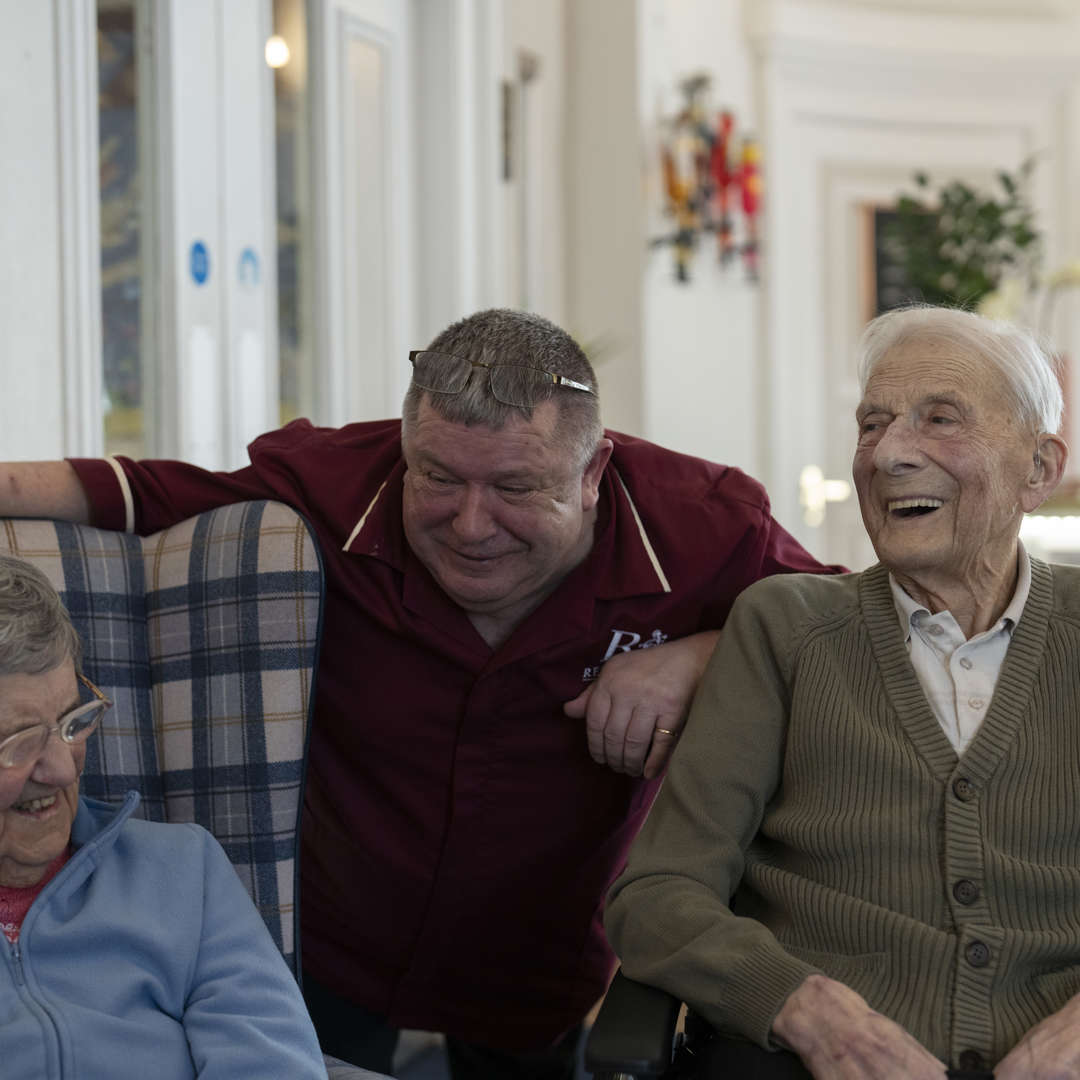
200,262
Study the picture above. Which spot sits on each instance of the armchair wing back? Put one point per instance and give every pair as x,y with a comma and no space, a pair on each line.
206,637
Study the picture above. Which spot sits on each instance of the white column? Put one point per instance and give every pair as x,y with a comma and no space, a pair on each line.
605,247
50,338
364,194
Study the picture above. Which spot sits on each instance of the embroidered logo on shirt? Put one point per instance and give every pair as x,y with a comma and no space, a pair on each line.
624,641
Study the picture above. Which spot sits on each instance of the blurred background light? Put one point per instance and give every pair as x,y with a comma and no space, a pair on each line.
277,51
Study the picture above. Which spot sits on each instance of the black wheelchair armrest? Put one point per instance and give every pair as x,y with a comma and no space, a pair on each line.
634,1031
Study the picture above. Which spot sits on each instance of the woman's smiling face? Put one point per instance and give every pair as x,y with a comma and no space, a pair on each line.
39,800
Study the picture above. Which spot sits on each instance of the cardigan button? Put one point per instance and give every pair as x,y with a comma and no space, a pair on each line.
971,1061
978,954
963,789
965,891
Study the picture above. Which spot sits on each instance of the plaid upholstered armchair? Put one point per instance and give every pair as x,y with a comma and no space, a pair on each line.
206,638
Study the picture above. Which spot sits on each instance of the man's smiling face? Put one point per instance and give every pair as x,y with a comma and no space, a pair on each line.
942,465
498,517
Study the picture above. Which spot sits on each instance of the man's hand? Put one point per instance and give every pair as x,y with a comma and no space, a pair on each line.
1049,1051
636,708
839,1037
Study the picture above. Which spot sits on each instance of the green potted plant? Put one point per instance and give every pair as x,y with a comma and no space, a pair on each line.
959,245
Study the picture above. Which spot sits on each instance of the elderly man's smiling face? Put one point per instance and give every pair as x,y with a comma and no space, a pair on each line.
944,468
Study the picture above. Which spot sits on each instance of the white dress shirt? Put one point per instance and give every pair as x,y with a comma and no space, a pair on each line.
958,676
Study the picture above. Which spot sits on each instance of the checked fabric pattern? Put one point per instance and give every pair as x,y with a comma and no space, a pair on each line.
205,636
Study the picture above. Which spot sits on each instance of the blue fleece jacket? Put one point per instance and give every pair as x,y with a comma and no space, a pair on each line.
145,957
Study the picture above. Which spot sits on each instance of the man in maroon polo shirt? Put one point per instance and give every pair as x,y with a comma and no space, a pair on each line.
518,609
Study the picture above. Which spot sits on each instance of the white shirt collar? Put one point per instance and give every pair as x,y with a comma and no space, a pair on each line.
907,608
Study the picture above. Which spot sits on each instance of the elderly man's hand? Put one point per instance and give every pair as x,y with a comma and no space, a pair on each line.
636,708
839,1037
1049,1051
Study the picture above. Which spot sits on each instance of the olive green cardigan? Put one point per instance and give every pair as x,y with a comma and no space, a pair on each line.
814,777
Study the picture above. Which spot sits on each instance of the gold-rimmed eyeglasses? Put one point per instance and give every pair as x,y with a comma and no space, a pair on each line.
512,384
73,728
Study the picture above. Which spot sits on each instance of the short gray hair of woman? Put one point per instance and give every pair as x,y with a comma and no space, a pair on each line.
514,337
1028,376
36,634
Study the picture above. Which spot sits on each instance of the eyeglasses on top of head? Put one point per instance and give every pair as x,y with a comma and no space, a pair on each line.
73,728
512,384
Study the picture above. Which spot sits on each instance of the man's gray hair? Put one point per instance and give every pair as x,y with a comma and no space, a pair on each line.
36,634
514,337
1028,377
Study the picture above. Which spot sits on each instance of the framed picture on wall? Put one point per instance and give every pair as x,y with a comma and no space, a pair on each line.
883,283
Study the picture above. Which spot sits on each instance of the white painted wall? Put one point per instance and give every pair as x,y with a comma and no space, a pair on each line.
605,203
854,97
485,240
364,250
701,374
30,290
849,97
532,204
454,180
50,337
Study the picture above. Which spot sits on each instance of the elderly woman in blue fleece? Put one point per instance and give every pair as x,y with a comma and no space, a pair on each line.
130,948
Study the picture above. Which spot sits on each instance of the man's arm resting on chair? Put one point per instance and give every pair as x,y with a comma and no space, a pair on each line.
43,489
839,1037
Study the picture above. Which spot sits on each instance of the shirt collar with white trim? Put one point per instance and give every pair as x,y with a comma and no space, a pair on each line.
623,556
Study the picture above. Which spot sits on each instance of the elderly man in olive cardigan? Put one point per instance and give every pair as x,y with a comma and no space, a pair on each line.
883,769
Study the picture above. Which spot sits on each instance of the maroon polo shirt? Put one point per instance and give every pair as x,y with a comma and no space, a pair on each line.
458,840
